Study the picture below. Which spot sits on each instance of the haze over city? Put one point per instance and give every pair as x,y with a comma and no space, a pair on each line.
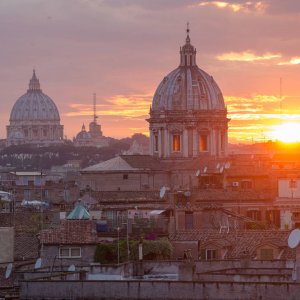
122,49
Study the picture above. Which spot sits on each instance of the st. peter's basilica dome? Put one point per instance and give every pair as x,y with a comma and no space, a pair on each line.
34,118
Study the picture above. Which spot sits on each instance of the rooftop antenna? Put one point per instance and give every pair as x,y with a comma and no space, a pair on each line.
95,108
280,98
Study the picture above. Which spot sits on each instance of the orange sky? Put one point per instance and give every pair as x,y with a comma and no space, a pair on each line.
122,49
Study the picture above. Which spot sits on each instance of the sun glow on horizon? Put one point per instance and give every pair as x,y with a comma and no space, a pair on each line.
287,132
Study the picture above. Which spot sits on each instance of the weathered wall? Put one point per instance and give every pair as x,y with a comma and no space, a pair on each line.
6,244
157,290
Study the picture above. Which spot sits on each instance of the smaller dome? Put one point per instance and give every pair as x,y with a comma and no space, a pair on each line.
83,135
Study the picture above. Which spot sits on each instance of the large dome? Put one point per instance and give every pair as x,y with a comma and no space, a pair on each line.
188,87
188,117
34,118
34,105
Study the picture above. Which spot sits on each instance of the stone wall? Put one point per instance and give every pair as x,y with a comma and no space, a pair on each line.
157,290
6,244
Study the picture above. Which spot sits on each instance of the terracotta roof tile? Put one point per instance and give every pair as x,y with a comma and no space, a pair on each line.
238,242
70,232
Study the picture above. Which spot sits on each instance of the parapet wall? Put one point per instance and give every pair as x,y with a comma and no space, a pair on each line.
166,290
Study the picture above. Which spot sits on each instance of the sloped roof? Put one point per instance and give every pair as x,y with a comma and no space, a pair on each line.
239,241
126,163
70,232
79,213
114,164
26,246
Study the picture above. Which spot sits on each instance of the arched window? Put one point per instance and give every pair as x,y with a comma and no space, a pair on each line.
155,142
176,142
203,142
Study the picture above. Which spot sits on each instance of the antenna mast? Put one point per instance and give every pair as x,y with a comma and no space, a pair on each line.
280,98
95,108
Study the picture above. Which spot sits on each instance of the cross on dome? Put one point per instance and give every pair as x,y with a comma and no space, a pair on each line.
188,51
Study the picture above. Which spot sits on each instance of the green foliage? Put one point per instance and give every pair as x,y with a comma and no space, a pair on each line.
152,250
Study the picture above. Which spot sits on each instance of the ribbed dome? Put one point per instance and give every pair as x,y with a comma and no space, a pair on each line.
34,105
188,87
83,134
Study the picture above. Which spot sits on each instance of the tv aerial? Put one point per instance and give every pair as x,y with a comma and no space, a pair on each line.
198,173
294,238
38,263
8,270
187,194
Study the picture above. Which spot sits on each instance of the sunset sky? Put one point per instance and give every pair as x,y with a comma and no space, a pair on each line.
122,49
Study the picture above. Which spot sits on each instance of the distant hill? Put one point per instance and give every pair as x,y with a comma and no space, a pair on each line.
30,157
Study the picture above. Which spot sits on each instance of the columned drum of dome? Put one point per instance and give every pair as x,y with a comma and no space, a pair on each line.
188,117
34,118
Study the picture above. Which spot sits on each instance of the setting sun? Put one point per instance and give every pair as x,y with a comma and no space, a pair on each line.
287,132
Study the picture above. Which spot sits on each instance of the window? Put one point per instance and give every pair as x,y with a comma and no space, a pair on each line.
222,141
70,252
246,184
189,222
203,146
254,214
45,194
293,184
27,194
266,254
156,143
125,176
208,254
176,142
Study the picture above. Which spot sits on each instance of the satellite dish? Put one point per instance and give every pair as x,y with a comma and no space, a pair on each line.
72,268
38,263
8,270
294,238
187,194
221,169
198,173
227,165
218,166
205,170
162,192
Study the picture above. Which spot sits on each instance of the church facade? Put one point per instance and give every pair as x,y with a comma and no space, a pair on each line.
34,118
188,117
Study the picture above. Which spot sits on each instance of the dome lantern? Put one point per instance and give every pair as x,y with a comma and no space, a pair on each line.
34,84
188,51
